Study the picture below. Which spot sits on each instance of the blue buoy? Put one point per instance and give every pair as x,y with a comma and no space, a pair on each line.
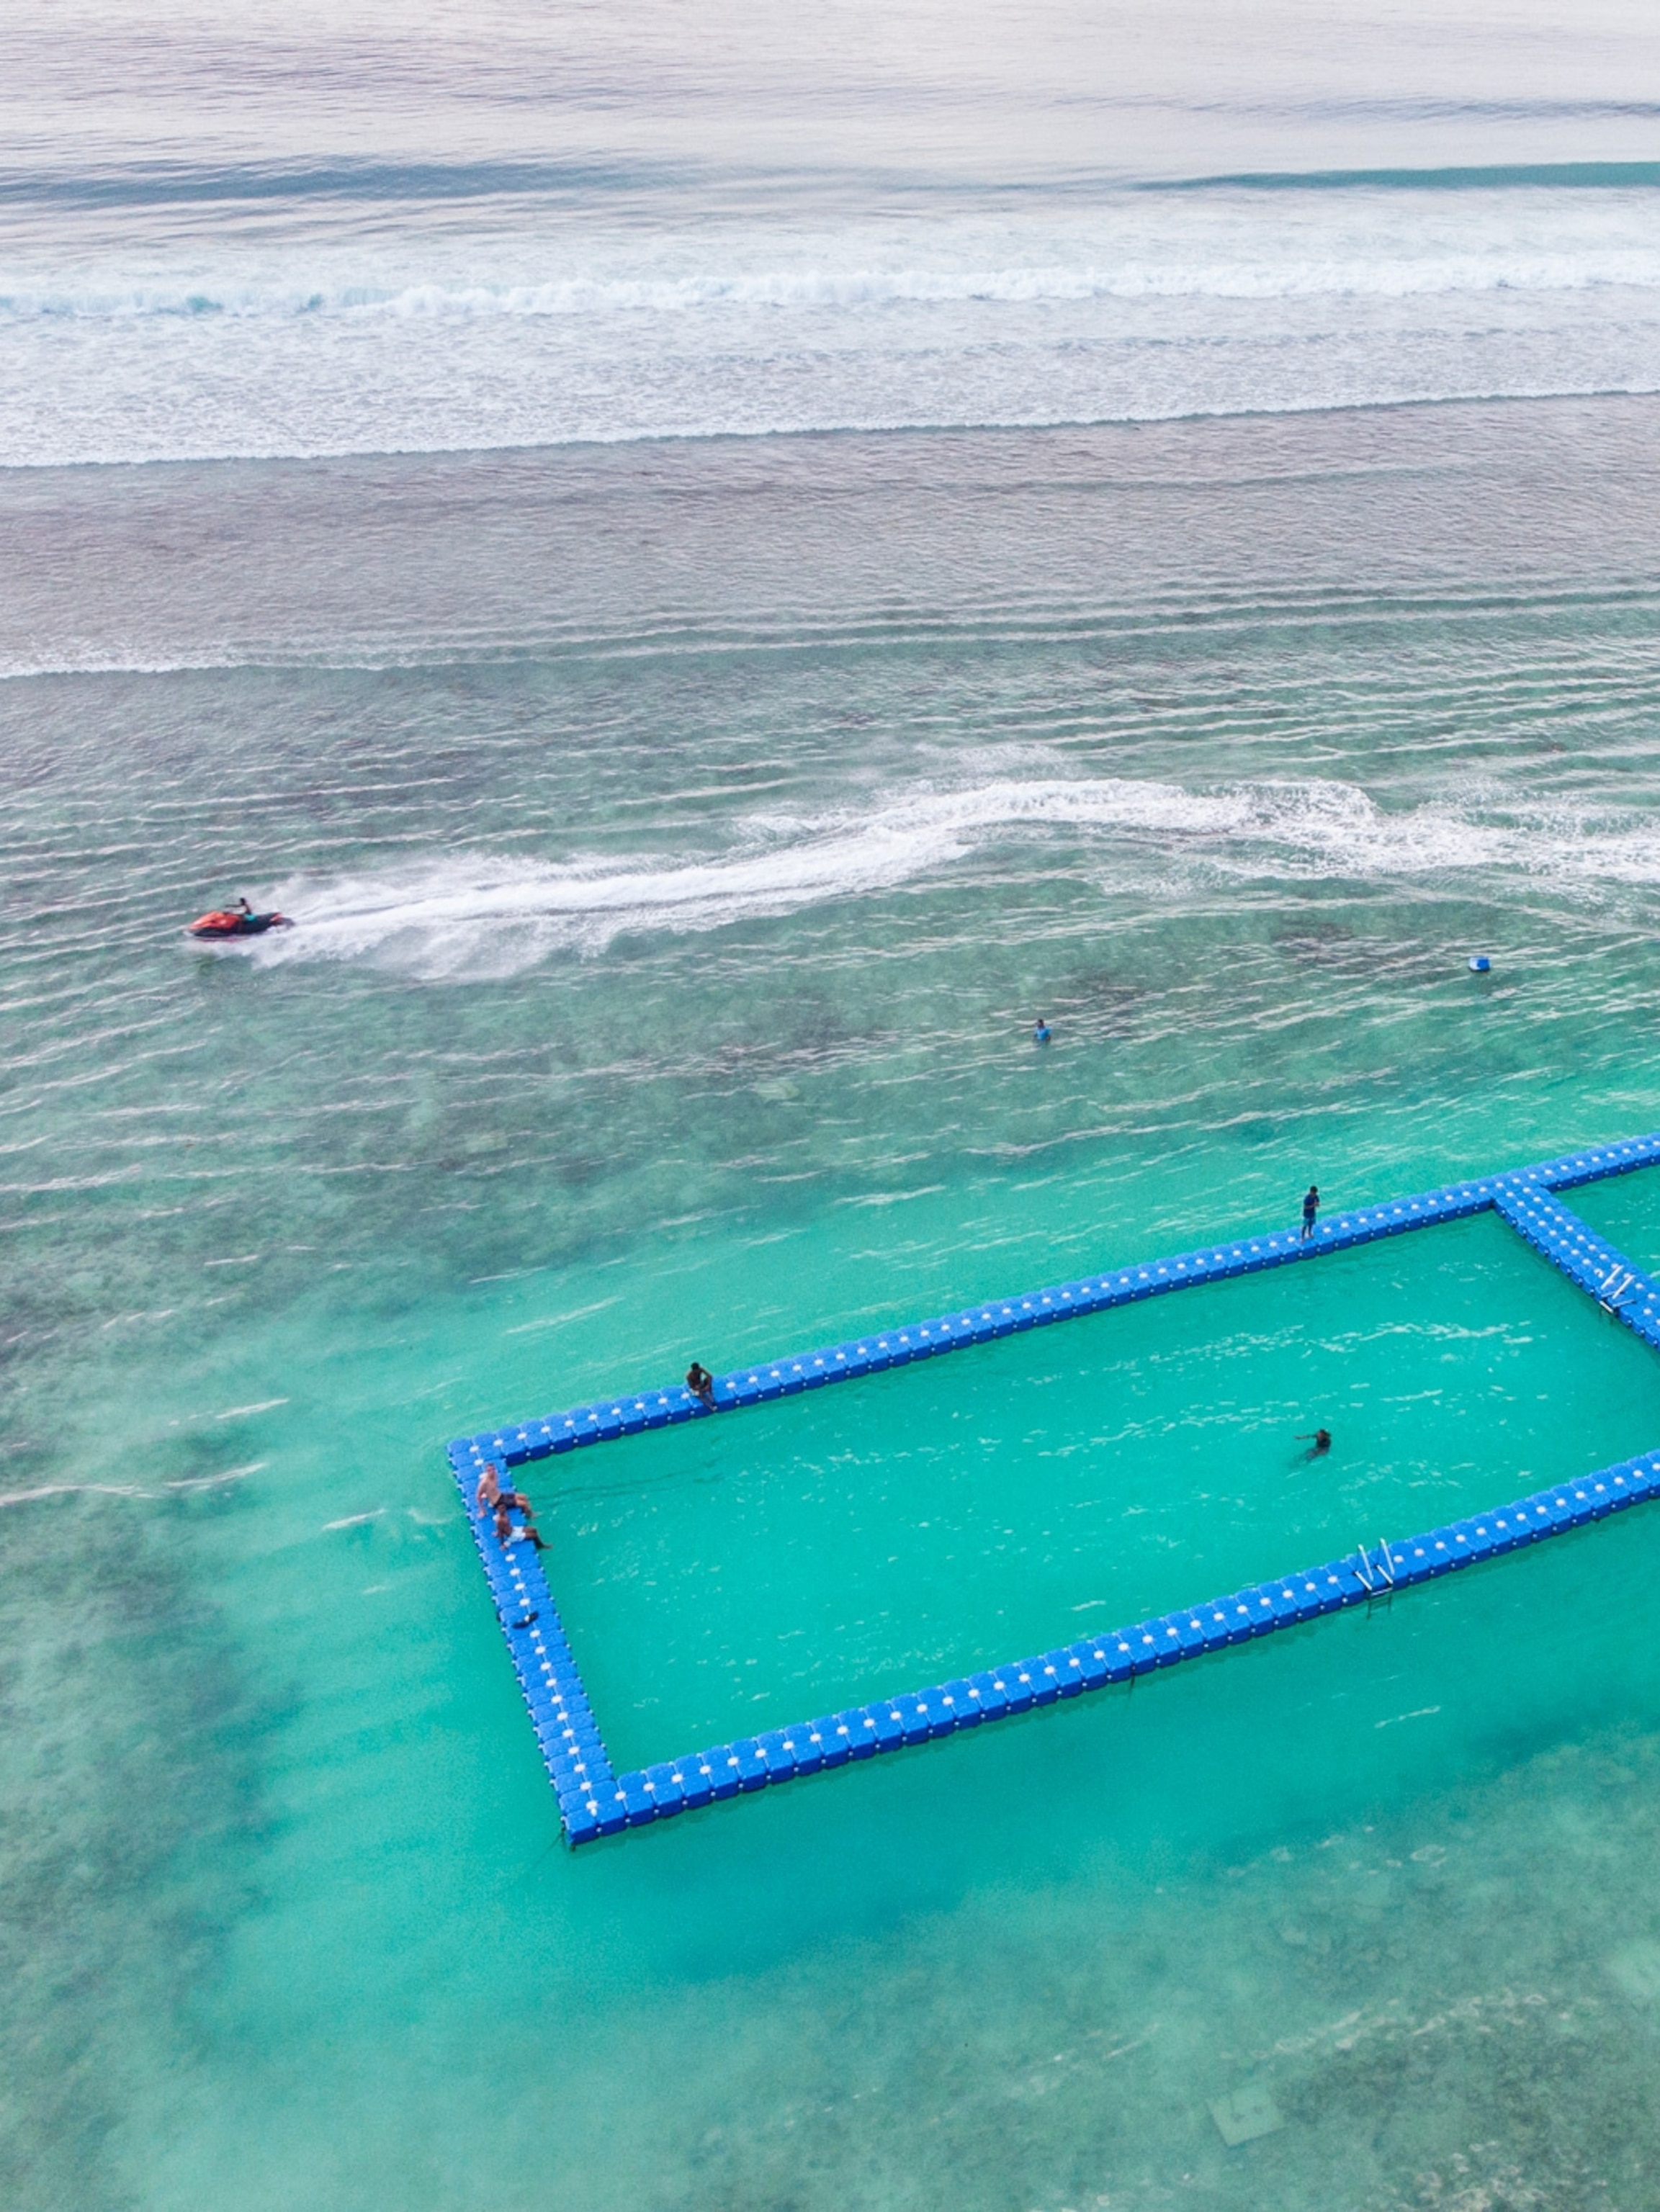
1479,963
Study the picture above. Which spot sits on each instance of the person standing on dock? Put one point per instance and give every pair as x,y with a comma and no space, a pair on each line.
1311,1207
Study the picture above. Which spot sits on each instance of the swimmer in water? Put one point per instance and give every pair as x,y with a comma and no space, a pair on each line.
1318,1444
1041,1032
701,1383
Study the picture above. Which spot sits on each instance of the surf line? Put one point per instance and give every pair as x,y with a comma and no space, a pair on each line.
594,1801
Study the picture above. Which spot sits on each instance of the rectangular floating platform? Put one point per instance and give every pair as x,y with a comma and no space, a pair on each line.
594,1801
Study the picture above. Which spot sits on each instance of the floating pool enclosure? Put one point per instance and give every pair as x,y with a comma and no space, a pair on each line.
594,1801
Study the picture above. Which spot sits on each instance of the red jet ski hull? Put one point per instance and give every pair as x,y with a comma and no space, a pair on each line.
232,924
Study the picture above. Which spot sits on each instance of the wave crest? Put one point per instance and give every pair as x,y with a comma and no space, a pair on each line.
1389,277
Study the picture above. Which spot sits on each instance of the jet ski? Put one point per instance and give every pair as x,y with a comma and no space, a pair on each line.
238,921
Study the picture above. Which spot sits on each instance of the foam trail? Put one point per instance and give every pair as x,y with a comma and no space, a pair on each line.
480,918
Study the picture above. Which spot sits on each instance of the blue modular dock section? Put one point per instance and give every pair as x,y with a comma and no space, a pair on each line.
610,1418
754,1762
595,1802
1585,1258
572,1749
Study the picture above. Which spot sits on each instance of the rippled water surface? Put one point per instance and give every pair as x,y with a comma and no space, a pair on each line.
683,831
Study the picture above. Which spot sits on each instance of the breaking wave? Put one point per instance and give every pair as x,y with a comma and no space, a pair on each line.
1398,277
518,326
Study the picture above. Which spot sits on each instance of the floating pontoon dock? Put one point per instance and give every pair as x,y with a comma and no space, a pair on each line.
593,1801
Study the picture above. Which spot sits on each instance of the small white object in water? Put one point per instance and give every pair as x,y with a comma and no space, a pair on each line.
1248,2113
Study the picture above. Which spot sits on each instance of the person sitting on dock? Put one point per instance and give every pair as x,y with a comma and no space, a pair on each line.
1311,1207
506,1532
491,1494
701,1383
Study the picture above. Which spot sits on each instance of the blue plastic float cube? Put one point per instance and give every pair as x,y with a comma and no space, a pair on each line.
722,1772
667,1793
750,1765
612,1817
884,1728
863,1741
835,1742
964,1707
777,1757
990,1693
580,1824
637,1802
697,1784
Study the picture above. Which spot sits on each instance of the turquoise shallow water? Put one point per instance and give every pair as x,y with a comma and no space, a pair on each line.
663,982
934,1519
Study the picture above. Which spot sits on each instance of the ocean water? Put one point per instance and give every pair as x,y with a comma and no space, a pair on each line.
718,566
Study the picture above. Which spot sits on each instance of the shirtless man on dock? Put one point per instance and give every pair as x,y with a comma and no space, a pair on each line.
490,1494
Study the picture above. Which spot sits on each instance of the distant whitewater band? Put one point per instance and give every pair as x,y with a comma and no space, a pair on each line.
1390,278
503,321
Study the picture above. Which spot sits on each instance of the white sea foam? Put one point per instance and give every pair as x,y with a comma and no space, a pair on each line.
457,918
497,328
1387,276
